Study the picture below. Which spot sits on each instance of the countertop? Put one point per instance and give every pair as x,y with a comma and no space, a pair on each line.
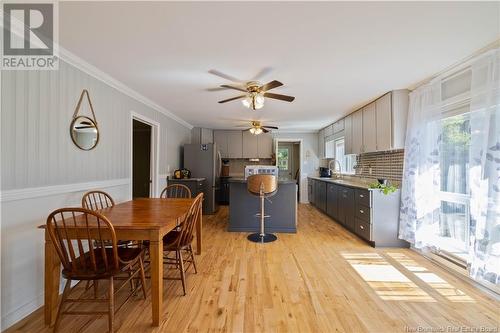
344,182
189,179
243,180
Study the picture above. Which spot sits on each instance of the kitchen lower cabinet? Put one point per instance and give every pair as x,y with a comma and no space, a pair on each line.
370,214
332,199
320,195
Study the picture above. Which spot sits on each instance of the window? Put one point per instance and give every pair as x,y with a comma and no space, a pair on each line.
283,158
346,161
454,216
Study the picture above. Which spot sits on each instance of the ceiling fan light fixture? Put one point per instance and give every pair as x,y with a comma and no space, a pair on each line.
255,130
254,101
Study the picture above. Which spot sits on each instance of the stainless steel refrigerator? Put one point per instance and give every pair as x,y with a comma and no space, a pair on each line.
204,161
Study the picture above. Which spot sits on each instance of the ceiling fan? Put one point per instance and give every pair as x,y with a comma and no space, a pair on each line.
258,128
255,92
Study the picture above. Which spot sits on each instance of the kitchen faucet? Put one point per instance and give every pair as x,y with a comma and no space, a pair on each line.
335,174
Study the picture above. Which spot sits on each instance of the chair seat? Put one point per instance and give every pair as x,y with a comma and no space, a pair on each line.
125,257
170,238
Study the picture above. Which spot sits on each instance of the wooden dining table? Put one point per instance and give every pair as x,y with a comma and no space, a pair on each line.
139,219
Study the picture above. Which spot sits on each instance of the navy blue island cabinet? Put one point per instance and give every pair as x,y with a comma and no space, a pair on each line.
282,208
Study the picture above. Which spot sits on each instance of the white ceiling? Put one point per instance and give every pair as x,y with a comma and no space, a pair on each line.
333,56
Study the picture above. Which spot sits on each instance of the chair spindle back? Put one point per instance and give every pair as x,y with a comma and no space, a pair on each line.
187,226
176,191
95,200
80,237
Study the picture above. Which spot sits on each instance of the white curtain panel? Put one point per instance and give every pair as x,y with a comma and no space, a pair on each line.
484,171
431,173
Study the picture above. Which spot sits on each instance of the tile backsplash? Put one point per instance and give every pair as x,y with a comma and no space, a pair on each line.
387,164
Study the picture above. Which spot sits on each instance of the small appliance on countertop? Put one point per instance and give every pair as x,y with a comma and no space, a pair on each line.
325,172
261,169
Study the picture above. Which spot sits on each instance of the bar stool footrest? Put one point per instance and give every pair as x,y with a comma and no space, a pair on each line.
258,238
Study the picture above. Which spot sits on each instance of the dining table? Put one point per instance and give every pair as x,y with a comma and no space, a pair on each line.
138,219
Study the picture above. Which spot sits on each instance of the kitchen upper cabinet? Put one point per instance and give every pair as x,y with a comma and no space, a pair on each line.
369,128
264,145
328,131
348,135
202,135
250,145
357,132
220,139
384,122
338,126
321,144
234,144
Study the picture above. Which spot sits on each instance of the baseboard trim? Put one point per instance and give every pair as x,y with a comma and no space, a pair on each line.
21,312
35,192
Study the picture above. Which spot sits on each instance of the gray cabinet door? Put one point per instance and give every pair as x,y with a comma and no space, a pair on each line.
338,126
369,128
321,144
312,193
384,122
265,145
250,145
332,200
320,196
234,144
220,139
348,135
357,132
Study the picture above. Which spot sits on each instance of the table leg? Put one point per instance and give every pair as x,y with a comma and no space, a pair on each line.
199,225
156,257
52,277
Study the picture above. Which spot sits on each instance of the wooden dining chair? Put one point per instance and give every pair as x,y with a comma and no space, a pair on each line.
80,236
180,239
176,191
95,200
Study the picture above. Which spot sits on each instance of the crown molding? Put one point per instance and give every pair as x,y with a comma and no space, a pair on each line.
35,192
100,75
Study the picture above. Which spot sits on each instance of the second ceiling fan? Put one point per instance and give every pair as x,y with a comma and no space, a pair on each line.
255,93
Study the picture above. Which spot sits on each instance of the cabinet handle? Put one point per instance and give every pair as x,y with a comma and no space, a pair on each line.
361,196
361,211
361,227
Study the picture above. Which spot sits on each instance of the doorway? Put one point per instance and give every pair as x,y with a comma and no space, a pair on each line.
141,159
288,160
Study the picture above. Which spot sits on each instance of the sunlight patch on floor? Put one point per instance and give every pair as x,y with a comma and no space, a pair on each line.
437,283
386,280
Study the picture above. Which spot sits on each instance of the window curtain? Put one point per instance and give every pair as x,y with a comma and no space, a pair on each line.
421,190
484,172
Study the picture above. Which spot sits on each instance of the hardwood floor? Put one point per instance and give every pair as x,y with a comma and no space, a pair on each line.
322,279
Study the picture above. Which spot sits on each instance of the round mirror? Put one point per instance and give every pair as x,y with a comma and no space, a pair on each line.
84,132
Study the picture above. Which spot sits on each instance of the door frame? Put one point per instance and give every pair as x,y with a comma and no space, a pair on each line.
154,163
302,182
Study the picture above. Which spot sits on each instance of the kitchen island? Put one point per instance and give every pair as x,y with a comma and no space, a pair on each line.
243,206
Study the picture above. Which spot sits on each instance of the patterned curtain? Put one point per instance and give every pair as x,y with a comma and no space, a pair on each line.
451,179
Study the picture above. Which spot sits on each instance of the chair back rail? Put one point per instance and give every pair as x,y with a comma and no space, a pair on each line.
187,226
176,191
70,229
95,200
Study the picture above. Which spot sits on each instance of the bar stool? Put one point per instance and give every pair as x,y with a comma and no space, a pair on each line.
263,186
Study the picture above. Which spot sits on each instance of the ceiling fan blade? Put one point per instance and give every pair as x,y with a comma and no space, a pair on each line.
232,99
280,97
271,127
271,85
216,89
264,71
233,87
223,75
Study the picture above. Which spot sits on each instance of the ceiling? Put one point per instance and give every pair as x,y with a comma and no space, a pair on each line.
332,56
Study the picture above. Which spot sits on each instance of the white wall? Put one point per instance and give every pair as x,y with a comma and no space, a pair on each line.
41,168
310,159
